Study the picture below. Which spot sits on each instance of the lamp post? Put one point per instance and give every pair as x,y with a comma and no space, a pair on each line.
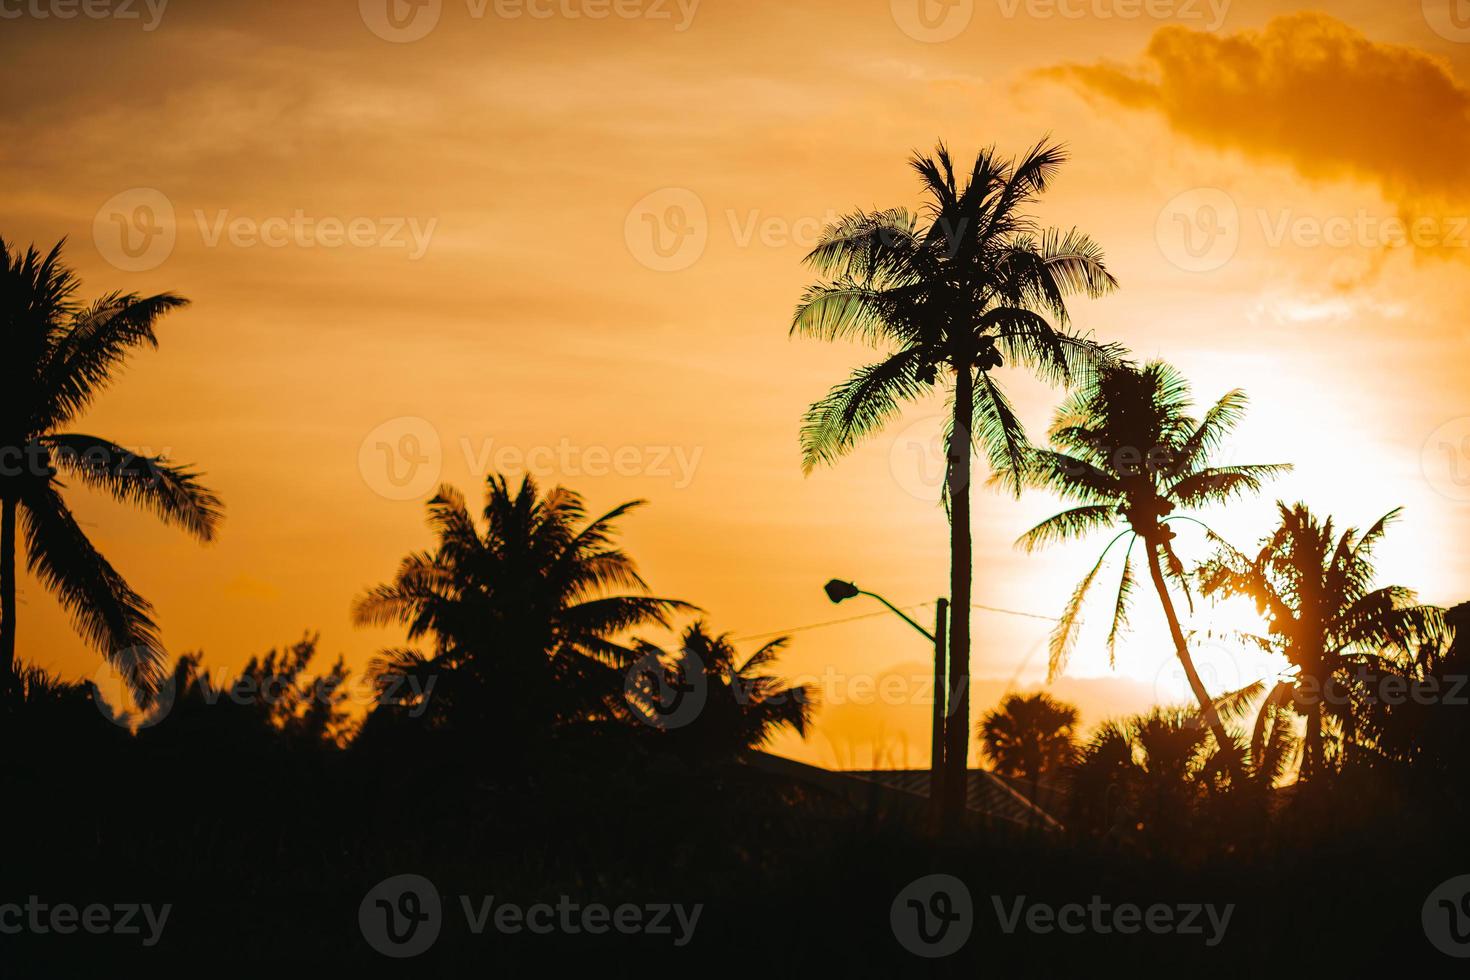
839,591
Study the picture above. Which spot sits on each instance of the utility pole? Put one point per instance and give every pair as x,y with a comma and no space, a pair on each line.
938,771
940,778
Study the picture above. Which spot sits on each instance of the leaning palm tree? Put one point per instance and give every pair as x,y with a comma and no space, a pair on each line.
740,705
1127,448
958,292
1027,737
56,355
524,617
1326,618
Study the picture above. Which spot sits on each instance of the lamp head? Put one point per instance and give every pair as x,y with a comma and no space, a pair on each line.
838,590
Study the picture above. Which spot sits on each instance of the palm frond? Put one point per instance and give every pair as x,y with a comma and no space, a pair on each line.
1126,584
174,494
104,609
1064,634
85,357
859,406
998,429
1074,523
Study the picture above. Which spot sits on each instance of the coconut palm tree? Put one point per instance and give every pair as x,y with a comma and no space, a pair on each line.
1127,449
958,292
524,617
1029,736
1324,615
56,355
740,706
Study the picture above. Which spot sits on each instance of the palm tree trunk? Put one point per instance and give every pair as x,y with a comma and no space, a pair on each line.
1181,648
7,598
957,735
937,778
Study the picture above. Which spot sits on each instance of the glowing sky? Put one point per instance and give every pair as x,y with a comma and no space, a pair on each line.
459,229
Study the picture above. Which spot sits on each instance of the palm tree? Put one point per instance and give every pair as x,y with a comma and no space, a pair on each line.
56,355
523,616
1149,773
740,706
1126,447
1029,736
1324,615
958,292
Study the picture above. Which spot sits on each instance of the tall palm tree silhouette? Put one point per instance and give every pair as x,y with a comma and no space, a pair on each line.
1325,616
961,291
523,615
1127,447
1029,736
56,355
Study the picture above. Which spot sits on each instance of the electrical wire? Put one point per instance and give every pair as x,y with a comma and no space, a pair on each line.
884,612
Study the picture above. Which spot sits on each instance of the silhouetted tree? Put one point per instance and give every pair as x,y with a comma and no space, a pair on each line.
1325,616
1144,777
523,618
273,699
737,705
959,292
1029,736
1429,728
1100,779
1126,447
306,708
56,355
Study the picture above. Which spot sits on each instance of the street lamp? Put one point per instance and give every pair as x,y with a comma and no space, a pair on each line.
840,591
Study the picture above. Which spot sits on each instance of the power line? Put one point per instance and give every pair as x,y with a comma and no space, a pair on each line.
1013,612
884,612
830,622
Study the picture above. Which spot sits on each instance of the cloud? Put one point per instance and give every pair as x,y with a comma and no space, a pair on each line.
1311,92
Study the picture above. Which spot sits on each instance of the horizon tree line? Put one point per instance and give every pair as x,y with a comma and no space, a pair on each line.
950,295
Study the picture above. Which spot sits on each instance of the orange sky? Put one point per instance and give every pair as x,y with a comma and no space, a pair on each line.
457,229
